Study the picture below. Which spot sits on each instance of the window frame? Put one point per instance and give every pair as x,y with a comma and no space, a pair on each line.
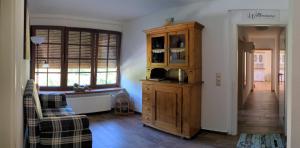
64,55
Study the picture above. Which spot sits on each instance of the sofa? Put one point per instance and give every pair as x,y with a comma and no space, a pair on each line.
51,123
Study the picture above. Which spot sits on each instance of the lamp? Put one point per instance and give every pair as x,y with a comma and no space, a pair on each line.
37,40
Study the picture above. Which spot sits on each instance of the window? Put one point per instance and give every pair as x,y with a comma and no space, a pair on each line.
80,45
107,59
75,55
49,52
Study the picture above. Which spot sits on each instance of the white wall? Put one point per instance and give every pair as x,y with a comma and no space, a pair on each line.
217,102
71,21
249,77
14,73
293,78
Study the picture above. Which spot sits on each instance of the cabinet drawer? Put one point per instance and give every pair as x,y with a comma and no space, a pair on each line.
147,108
146,98
146,118
147,89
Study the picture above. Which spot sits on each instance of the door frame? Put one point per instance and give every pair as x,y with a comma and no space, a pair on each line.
235,20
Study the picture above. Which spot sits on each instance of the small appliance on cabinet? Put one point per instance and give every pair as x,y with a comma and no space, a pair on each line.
172,88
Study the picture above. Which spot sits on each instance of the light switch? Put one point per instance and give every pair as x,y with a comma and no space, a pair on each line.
218,79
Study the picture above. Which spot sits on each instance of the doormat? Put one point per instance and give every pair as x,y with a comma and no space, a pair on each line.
261,141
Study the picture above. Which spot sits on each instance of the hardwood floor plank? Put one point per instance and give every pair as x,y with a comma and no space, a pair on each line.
113,131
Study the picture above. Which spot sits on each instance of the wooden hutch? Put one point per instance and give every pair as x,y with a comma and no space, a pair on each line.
171,105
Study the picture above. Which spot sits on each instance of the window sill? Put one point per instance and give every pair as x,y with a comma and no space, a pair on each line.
92,91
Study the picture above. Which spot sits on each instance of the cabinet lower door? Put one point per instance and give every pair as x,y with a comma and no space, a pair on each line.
167,108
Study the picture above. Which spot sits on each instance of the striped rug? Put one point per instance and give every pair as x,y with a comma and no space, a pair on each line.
261,141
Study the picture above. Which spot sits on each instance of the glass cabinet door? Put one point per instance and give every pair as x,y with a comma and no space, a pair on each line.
158,49
178,48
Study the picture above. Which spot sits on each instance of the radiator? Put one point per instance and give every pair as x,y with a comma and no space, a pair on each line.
89,103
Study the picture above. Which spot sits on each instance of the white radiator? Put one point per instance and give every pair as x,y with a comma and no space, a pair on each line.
89,103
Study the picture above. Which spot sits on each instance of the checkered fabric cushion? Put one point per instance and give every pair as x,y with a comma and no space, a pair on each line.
66,123
58,112
67,139
53,100
59,128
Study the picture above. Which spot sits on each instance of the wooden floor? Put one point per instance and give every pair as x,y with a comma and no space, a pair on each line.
112,131
260,112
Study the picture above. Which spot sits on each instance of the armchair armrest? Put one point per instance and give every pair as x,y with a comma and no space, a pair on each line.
53,100
65,123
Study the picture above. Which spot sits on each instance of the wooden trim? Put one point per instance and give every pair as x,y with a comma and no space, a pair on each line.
25,30
263,49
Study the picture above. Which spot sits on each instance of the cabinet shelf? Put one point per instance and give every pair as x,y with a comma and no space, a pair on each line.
158,50
177,50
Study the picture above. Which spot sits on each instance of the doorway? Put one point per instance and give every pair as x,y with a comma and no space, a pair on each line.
261,79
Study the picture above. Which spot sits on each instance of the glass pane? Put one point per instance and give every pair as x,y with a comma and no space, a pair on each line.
177,56
55,36
85,79
112,78
39,66
101,78
86,52
42,33
112,65
73,51
54,51
54,65
112,53
177,41
158,42
41,79
73,78
53,79
73,65
85,65
42,51
74,37
103,39
158,51
158,57
113,40
102,52
86,38
101,66
177,49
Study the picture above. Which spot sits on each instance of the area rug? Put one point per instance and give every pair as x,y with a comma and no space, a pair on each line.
261,141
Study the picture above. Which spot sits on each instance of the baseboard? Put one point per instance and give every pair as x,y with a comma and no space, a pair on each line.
105,112
210,131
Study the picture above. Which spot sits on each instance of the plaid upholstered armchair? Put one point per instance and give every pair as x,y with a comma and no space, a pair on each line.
50,123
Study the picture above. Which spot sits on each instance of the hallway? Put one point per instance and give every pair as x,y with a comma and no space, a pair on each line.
260,112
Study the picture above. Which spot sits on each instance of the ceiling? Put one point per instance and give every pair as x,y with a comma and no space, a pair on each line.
114,10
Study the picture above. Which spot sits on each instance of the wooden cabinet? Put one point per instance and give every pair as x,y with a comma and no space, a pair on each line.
168,104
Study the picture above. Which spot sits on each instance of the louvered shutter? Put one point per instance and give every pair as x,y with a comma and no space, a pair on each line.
49,52
79,57
107,68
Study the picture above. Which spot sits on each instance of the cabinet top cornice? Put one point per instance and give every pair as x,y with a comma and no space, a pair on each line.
176,26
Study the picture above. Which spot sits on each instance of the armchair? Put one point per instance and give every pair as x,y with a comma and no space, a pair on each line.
58,126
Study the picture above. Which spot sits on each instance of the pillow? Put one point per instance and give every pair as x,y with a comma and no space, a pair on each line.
37,103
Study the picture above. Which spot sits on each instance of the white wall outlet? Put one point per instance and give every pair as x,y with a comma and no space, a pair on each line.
218,79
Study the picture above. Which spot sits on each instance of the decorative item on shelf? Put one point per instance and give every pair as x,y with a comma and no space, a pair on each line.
177,50
158,50
78,88
169,21
180,76
123,103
